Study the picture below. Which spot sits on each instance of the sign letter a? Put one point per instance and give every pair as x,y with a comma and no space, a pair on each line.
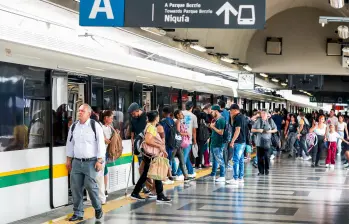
96,8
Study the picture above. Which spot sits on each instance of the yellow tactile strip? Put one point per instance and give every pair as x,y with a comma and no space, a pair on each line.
118,203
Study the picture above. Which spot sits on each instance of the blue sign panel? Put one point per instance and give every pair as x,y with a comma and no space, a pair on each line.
102,13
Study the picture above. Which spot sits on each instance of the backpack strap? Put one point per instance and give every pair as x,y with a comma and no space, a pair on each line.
72,130
93,126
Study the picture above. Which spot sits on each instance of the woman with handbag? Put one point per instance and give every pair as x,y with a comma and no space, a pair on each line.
153,146
263,128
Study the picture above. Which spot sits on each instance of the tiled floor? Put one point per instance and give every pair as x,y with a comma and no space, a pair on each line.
292,193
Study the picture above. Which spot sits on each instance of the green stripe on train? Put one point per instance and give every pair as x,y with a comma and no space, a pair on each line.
24,178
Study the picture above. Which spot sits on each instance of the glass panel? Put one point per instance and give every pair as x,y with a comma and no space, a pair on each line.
25,114
121,115
109,98
202,99
97,93
63,115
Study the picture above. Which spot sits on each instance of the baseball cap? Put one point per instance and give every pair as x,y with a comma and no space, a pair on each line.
216,107
234,107
133,107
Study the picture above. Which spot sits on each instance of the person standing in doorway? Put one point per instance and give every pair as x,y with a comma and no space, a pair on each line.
85,158
238,143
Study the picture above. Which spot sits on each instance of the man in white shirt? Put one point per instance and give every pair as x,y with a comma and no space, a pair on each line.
332,120
85,158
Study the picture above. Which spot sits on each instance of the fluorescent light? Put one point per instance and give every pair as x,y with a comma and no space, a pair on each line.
198,47
274,80
141,77
263,75
154,30
228,60
96,69
247,68
284,84
26,56
337,4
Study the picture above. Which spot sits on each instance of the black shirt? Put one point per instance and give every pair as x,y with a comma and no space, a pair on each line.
138,124
240,121
292,127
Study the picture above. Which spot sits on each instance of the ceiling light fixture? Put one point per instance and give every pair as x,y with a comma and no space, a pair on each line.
263,75
337,4
343,32
247,68
274,80
198,47
226,59
154,30
284,84
96,69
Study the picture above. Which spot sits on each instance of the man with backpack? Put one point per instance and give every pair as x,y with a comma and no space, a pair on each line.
303,130
226,116
238,143
217,143
85,158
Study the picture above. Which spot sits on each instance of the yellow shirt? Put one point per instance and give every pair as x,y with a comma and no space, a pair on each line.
152,130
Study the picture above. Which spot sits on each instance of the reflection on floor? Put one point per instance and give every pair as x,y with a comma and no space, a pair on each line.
292,193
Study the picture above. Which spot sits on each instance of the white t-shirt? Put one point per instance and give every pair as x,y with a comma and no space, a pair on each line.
107,132
320,131
332,137
190,121
332,120
341,126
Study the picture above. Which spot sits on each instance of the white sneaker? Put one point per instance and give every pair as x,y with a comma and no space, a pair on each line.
192,175
332,166
307,158
179,178
151,195
232,181
221,179
168,181
272,157
241,180
327,165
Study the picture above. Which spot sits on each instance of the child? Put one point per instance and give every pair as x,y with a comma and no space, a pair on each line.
332,137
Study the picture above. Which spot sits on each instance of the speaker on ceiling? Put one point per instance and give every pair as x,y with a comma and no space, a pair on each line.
273,46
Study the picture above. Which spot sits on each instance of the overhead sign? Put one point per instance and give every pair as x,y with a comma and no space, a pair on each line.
328,99
236,14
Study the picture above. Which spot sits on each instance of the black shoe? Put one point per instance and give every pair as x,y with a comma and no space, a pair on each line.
316,165
137,197
260,174
106,194
290,156
99,214
75,218
146,190
267,173
312,164
163,199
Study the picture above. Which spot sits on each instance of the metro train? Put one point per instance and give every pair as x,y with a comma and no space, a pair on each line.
45,76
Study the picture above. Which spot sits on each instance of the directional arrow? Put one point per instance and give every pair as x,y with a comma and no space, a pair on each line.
227,8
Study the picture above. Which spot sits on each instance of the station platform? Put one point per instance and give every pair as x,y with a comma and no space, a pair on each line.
293,192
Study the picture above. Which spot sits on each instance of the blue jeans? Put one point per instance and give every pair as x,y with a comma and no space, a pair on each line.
83,175
188,164
217,159
171,161
238,159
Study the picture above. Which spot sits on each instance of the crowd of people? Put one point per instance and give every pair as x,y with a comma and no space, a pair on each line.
212,136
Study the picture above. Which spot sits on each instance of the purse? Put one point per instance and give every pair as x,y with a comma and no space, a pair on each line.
151,151
158,168
185,139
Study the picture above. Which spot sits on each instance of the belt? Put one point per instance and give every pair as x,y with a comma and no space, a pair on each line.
86,159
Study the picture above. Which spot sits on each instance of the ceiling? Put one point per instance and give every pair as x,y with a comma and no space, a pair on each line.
235,42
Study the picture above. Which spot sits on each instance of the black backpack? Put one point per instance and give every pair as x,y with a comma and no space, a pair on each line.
275,138
204,133
174,139
305,129
137,146
93,126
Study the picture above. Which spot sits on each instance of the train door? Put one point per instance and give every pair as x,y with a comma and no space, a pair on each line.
68,93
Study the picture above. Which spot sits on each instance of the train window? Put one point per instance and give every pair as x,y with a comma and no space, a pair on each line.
97,93
202,99
24,117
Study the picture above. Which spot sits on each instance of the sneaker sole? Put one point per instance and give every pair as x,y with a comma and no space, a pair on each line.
137,199
164,202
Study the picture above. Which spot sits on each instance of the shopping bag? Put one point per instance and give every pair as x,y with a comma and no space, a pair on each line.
158,169
195,150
